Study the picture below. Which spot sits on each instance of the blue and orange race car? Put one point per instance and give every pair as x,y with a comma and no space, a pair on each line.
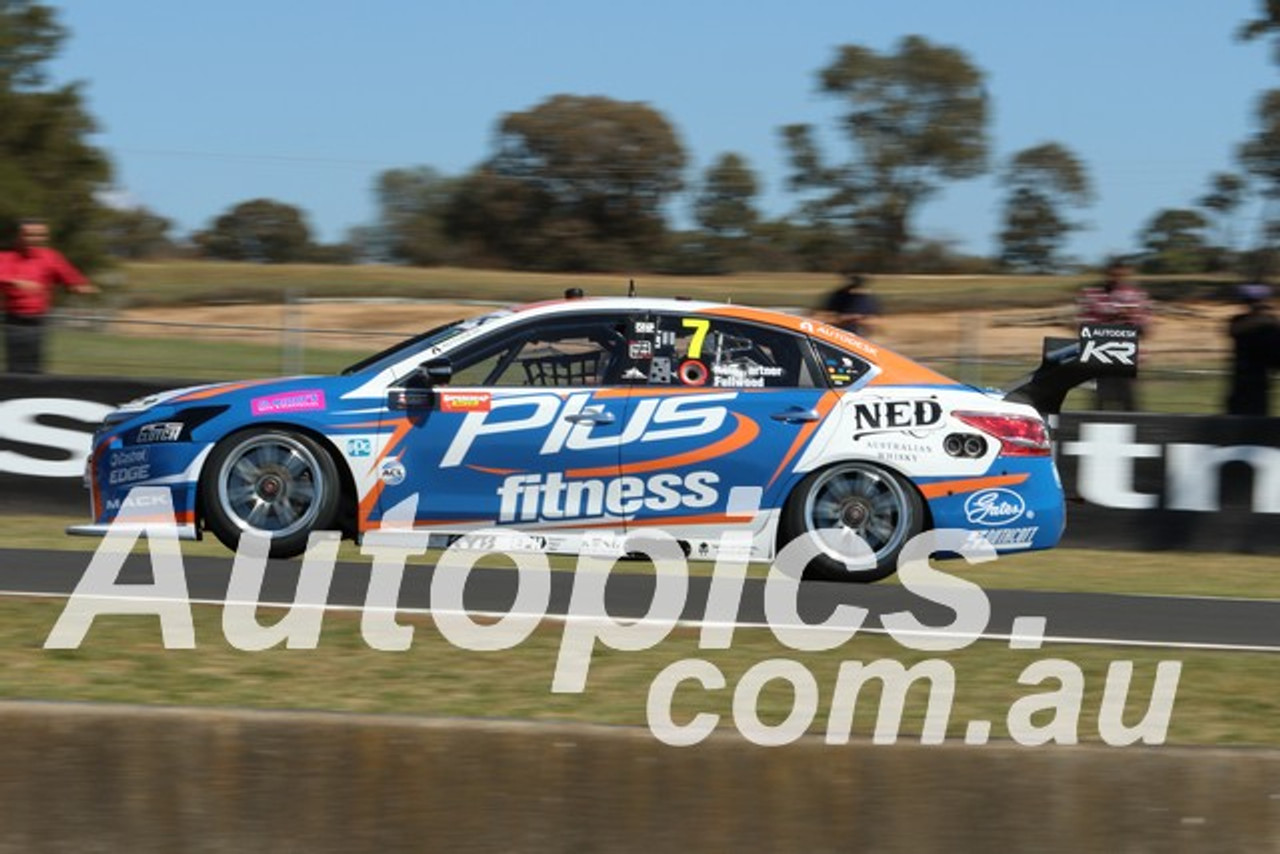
574,423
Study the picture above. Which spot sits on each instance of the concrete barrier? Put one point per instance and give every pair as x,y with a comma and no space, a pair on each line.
90,778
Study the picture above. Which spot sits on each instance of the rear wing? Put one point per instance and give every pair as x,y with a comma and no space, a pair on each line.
1101,350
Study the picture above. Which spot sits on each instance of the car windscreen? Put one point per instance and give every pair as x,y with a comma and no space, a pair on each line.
430,338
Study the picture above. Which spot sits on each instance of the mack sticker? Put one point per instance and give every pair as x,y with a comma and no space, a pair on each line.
896,415
308,400
359,448
464,401
161,431
994,507
392,472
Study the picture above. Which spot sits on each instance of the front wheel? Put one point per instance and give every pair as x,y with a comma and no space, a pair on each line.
848,501
270,481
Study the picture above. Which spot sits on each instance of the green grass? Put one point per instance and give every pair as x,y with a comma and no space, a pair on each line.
80,352
1221,698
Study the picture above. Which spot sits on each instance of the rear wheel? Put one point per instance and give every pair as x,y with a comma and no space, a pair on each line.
270,481
848,501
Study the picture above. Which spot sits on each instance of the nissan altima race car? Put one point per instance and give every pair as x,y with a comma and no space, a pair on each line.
575,423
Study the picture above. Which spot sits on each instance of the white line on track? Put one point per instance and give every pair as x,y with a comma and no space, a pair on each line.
1023,641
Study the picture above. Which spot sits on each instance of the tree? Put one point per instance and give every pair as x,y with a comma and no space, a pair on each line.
1226,194
724,209
413,204
261,230
575,183
1267,24
1042,180
1175,243
47,168
914,119
1260,153
725,205
135,234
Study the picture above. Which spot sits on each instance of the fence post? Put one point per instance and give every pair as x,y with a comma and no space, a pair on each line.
293,349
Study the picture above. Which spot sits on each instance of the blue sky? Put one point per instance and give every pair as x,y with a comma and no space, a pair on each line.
203,105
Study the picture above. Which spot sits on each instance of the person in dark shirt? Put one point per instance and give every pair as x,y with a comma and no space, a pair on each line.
1255,334
852,307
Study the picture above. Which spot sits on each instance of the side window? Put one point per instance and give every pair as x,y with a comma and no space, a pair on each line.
842,369
587,352
696,350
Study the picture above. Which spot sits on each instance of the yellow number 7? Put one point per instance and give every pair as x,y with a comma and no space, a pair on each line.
699,326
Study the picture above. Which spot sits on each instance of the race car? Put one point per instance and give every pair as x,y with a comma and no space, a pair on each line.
571,424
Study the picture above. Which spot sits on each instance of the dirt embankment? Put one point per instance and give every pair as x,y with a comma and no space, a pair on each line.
1182,332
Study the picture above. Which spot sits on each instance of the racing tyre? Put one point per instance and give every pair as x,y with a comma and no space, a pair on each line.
277,482
853,499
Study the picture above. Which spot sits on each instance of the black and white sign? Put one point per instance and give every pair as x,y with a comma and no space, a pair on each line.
46,426
1110,345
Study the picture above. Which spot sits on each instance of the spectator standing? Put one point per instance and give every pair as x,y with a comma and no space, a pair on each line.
1255,334
852,306
29,273
1117,300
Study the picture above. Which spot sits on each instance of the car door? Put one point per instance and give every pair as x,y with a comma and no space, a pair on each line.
525,432
729,405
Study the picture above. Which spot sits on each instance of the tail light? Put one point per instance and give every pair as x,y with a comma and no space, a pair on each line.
1019,435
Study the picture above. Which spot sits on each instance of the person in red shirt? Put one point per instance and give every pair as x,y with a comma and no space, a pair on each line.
1118,300
28,275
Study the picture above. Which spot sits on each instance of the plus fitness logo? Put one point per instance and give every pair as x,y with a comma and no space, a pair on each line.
1051,715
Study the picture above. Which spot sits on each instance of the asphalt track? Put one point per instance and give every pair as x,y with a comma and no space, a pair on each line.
1091,618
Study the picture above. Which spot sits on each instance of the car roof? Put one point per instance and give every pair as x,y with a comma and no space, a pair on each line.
895,368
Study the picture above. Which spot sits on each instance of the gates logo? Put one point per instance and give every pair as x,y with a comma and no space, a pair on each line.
994,507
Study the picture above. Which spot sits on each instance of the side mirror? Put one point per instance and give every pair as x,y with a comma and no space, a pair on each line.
417,397
437,371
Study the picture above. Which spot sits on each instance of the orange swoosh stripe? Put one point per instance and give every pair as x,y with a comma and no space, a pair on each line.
951,487
488,470
657,391
370,501
744,435
222,389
